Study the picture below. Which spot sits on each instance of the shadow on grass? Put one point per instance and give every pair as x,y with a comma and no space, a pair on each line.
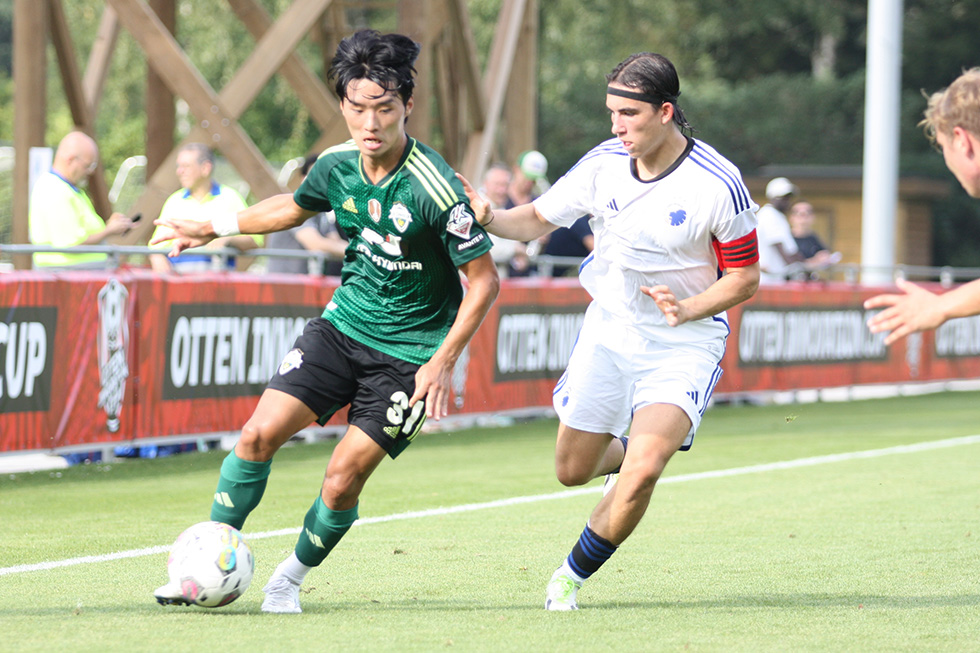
328,606
747,602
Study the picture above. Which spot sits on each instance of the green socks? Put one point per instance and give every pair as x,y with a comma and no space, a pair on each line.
240,489
322,529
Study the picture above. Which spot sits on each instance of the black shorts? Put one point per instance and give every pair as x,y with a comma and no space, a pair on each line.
327,370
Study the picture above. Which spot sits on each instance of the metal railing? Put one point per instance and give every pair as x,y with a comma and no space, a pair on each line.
849,273
115,254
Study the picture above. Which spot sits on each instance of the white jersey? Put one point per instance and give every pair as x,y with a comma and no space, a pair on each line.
774,230
671,230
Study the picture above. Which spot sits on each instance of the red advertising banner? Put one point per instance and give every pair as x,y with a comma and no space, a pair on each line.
60,337
95,358
803,336
207,347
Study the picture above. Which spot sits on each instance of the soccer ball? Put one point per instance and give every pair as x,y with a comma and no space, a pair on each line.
211,563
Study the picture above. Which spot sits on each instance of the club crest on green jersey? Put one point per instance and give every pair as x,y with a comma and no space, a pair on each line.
400,216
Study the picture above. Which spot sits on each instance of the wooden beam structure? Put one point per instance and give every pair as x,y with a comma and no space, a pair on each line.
161,112
78,104
482,143
100,57
30,103
457,107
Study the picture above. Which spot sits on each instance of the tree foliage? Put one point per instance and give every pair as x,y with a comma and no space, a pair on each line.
6,38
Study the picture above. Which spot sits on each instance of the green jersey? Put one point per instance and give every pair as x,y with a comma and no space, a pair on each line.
400,289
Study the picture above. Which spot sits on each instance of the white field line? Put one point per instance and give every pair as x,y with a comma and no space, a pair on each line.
565,494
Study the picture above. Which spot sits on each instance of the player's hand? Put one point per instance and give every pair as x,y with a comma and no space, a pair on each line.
185,234
673,310
916,309
481,207
433,383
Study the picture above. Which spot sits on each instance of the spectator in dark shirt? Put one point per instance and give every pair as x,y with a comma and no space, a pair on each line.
815,253
576,240
801,224
318,234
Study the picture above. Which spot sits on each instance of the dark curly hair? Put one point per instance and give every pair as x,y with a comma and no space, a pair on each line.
385,59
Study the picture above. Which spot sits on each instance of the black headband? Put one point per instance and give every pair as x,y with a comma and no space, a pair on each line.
642,97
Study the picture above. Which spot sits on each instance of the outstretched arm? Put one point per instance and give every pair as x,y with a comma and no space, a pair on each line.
522,223
272,214
917,309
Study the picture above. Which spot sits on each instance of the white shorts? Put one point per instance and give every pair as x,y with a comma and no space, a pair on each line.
613,371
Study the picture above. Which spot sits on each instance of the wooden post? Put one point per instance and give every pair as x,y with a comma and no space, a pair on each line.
413,21
30,108
99,59
495,79
312,92
78,104
161,114
521,107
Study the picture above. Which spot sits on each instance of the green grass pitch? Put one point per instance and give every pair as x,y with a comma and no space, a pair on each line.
832,552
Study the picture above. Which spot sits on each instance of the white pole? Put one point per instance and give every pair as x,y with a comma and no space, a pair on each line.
882,107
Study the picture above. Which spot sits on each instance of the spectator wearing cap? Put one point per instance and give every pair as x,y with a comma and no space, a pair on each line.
778,250
529,180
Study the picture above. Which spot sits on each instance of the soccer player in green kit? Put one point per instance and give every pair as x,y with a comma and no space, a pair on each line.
387,342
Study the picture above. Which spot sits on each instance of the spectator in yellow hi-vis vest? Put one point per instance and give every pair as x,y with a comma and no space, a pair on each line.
200,198
61,213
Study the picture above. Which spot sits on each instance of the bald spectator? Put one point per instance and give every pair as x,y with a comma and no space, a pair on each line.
61,213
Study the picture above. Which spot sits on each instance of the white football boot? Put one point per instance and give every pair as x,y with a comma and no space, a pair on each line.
281,596
561,591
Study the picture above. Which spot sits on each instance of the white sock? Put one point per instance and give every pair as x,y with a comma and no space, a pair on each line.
293,569
566,570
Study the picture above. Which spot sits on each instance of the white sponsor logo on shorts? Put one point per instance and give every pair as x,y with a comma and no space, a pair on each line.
291,361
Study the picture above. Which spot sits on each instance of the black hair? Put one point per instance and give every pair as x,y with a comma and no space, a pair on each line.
307,164
654,75
385,59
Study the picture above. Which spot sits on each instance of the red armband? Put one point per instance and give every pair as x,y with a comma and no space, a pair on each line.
738,253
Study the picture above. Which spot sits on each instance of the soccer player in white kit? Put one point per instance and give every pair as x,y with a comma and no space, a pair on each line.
675,246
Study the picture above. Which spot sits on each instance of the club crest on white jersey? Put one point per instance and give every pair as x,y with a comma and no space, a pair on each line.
678,216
